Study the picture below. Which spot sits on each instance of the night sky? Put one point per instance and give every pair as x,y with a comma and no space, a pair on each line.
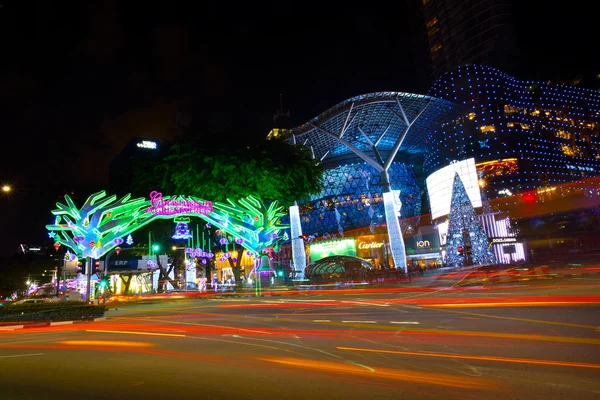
80,79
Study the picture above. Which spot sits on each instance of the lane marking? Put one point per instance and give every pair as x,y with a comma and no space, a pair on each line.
405,322
482,358
11,327
321,320
365,303
359,322
135,333
61,323
23,355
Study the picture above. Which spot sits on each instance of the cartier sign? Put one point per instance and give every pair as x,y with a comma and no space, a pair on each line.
368,246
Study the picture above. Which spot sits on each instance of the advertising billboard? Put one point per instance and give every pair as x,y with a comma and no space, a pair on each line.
344,247
439,186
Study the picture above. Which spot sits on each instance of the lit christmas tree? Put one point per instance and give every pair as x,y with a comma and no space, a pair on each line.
467,243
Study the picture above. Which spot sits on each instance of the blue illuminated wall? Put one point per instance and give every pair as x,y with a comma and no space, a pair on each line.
545,134
352,199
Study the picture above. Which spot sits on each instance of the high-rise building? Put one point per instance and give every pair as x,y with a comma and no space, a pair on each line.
461,32
122,165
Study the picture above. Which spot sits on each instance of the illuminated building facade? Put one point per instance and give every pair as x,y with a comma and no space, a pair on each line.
372,147
524,135
532,142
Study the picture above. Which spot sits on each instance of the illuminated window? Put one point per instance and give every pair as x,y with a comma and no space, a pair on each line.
524,126
510,124
433,21
487,128
563,134
570,151
471,115
509,109
436,47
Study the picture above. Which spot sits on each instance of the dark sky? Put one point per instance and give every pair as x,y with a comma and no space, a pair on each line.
80,79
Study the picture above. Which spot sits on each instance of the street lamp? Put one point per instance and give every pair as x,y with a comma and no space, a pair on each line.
6,188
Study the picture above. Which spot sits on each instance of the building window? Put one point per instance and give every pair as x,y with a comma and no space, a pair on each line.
433,21
487,128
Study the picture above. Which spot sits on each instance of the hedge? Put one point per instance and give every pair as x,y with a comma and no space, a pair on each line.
50,311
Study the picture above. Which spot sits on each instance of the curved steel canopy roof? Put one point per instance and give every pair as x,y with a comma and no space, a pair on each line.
373,123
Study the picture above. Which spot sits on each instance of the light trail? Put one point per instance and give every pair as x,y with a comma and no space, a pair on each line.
112,343
22,355
479,358
417,377
135,333
508,304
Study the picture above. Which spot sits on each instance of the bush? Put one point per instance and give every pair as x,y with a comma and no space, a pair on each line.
50,311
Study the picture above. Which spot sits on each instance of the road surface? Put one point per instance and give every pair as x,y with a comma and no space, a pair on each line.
525,341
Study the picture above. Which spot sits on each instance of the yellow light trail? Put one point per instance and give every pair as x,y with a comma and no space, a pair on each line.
112,343
137,333
387,373
482,358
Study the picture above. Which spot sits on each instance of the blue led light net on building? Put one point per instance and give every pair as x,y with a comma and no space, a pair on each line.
354,190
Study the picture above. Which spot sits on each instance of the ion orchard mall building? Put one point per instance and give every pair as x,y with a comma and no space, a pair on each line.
391,157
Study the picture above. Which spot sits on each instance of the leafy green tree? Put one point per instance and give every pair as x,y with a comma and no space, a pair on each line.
217,169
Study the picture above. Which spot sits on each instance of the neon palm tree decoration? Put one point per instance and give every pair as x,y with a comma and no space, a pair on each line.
98,226
251,220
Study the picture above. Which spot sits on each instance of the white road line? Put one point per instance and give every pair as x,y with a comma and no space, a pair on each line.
361,322
11,327
321,320
405,322
365,303
23,355
61,323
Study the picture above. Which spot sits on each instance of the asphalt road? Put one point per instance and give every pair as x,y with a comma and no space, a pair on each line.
527,341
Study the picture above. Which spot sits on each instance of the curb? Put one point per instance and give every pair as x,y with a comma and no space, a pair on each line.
56,323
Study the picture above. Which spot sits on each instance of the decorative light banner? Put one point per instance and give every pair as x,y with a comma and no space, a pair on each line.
344,247
177,205
103,223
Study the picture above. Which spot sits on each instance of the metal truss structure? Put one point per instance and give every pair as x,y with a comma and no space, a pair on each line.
375,128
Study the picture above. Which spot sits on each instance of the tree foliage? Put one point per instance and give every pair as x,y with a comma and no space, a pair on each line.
220,169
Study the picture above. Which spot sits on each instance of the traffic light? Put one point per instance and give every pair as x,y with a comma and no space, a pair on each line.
280,273
460,250
156,247
104,282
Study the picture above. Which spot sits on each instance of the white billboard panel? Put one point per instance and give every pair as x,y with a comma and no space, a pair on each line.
439,186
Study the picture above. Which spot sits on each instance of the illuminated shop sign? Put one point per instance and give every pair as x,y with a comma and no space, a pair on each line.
424,244
344,247
367,246
504,240
146,144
